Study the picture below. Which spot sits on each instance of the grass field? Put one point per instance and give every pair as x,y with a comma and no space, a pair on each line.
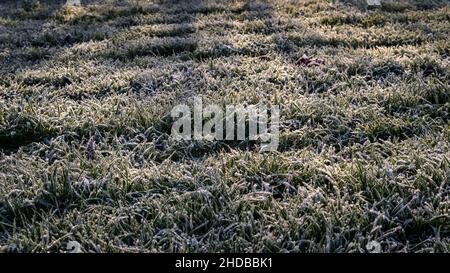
85,148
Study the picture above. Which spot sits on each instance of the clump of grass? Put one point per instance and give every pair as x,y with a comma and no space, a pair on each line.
33,10
34,54
19,130
395,6
76,14
152,47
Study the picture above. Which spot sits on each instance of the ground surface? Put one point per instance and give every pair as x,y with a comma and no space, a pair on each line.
85,97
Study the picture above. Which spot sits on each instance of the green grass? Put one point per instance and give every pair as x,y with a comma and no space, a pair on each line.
85,152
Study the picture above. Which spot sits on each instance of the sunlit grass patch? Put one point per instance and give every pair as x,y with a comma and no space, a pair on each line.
86,153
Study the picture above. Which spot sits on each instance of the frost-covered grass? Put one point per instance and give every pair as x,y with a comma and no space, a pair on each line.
85,100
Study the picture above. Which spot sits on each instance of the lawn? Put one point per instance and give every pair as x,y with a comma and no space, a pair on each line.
87,158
